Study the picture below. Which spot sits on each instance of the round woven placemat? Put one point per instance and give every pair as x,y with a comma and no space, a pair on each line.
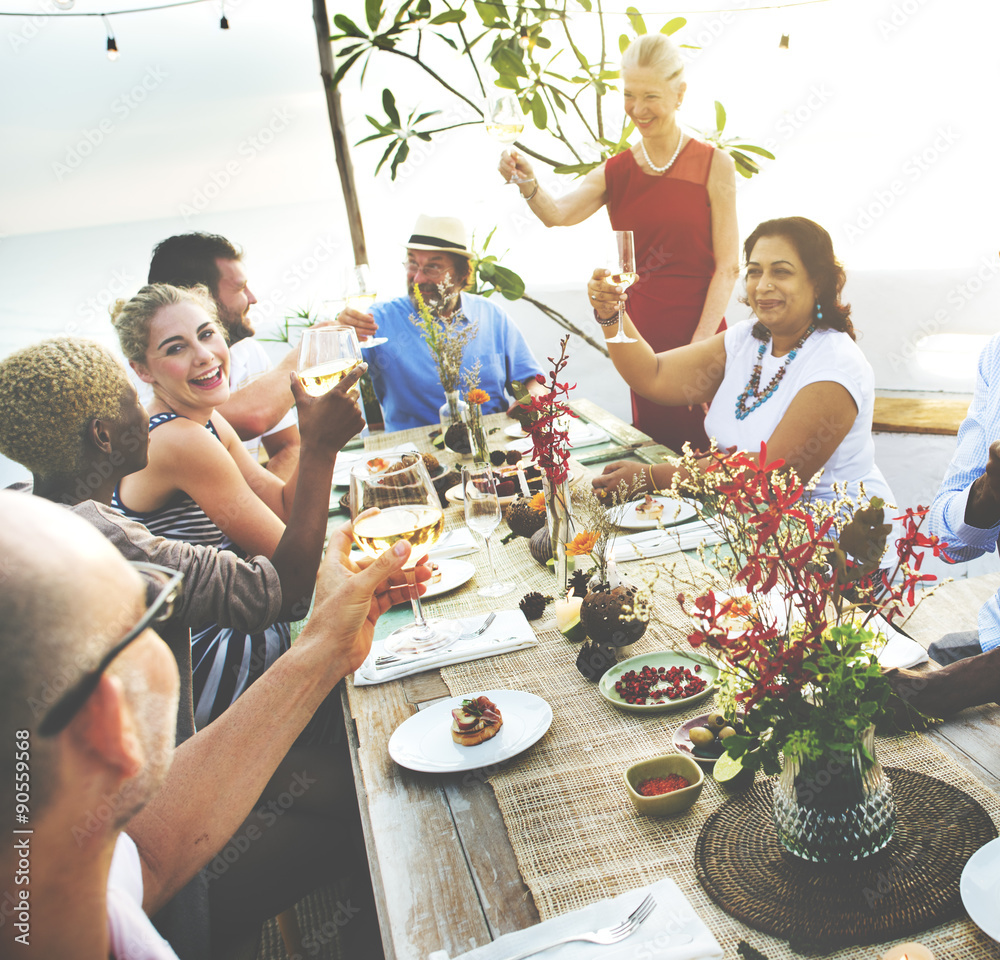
909,886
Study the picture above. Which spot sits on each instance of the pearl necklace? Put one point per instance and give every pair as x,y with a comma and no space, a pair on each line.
742,410
670,162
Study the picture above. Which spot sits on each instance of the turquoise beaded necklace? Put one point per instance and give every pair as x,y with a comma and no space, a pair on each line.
742,410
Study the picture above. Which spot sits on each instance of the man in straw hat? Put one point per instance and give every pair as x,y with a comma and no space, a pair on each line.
438,262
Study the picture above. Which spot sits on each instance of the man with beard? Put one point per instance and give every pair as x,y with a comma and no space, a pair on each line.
75,616
261,405
402,370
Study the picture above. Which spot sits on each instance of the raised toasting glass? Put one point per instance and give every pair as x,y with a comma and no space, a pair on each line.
482,514
621,263
360,293
326,356
406,507
504,121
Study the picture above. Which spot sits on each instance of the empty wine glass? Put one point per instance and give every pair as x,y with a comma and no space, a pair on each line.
482,514
621,263
504,121
407,508
359,294
326,356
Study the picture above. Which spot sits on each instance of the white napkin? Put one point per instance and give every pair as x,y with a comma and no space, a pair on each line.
673,931
899,651
509,631
455,543
655,543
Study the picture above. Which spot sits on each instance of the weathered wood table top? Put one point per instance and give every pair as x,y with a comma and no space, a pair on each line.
443,870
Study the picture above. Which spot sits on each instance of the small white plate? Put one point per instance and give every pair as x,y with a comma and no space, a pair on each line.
980,888
453,574
580,435
625,516
423,742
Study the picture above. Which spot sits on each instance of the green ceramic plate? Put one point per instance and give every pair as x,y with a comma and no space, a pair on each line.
709,670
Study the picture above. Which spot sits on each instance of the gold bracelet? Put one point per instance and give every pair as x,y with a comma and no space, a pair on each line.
652,483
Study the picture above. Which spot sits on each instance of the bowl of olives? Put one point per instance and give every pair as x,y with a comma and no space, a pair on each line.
701,738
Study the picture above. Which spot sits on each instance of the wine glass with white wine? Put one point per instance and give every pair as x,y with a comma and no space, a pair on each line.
407,507
621,263
360,293
482,514
504,121
326,356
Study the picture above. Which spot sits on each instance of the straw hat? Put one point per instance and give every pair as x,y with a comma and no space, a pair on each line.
446,234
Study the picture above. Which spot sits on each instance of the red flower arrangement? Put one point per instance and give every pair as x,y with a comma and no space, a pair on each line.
550,440
799,651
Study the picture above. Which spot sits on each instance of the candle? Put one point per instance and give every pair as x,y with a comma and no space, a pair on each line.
908,951
613,579
523,481
568,610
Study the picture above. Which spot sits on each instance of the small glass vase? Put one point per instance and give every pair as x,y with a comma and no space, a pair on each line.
480,449
835,809
559,519
453,410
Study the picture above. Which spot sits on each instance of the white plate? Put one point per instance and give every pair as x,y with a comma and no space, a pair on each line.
423,742
342,471
980,888
580,435
626,517
453,574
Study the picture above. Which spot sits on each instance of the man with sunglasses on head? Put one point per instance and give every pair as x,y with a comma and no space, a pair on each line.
73,611
439,264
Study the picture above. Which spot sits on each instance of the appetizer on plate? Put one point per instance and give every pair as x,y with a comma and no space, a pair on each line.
475,721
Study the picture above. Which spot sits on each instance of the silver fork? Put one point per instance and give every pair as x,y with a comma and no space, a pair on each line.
606,935
389,658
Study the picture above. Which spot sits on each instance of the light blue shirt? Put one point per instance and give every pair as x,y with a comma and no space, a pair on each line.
405,376
979,429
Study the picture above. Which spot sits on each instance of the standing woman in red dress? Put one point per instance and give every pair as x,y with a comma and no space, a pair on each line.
678,196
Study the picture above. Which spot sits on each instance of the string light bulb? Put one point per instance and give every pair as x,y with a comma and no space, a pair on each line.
524,41
224,22
64,4
112,45
783,42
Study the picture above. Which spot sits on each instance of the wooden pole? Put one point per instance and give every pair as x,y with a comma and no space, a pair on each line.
340,144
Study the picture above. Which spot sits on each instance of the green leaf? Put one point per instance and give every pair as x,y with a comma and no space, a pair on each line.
389,106
586,4
401,155
510,285
385,156
373,13
578,168
539,114
505,61
557,99
635,18
623,42
720,116
345,66
487,13
743,160
672,26
451,43
348,26
760,151
508,83
449,16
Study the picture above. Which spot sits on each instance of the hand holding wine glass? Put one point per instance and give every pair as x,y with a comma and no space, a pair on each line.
406,507
326,356
621,264
482,514
359,295
504,121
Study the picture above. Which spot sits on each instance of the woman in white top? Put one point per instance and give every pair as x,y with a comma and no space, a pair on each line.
794,379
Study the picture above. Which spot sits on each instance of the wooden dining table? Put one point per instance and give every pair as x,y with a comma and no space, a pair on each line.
444,871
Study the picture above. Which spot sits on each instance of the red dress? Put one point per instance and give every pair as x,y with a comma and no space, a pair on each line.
671,218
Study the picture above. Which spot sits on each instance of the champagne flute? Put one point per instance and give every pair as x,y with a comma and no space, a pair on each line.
482,514
326,356
359,290
407,508
504,121
622,267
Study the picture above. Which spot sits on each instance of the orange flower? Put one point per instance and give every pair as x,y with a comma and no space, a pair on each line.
582,543
538,502
477,396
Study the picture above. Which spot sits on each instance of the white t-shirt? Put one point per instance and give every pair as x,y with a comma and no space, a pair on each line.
826,355
247,361
132,934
